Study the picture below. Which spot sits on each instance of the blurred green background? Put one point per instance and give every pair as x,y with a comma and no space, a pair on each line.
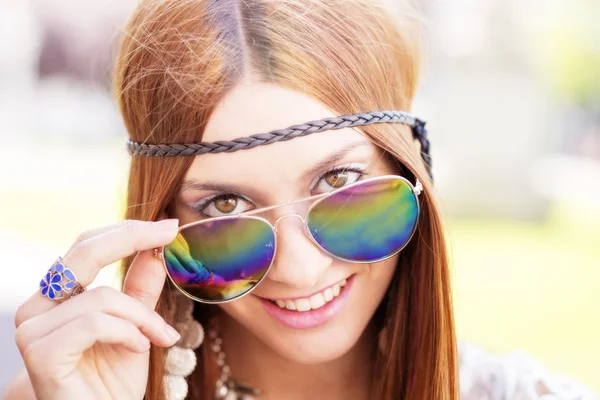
532,286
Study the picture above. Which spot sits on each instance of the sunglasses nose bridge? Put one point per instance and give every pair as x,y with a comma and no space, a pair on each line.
285,216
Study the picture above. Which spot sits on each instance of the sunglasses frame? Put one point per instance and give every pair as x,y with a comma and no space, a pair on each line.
417,189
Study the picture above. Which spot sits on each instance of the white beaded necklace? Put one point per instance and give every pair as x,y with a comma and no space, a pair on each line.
181,359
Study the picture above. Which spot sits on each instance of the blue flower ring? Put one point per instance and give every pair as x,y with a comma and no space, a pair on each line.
60,283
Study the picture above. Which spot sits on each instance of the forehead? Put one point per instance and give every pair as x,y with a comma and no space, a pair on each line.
256,107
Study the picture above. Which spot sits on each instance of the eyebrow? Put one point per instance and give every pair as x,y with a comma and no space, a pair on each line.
334,158
327,162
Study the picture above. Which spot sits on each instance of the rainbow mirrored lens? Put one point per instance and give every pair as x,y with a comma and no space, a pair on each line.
220,259
367,222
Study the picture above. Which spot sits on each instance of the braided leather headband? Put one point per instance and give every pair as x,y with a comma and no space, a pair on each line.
346,121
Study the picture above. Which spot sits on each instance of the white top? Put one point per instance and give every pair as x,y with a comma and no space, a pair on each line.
513,376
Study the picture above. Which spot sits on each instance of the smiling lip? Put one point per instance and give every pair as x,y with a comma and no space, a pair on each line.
312,318
304,297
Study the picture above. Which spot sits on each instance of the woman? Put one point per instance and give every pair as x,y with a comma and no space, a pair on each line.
351,299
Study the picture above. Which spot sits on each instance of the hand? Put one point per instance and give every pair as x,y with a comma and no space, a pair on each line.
96,345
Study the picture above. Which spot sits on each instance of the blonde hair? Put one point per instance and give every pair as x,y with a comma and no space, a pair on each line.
177,60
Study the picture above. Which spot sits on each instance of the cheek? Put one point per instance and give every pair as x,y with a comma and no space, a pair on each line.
380,275
240,310
372,284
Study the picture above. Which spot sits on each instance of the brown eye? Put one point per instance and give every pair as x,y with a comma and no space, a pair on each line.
223,205
336,179
226,205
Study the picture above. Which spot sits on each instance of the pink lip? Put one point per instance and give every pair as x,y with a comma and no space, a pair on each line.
312,318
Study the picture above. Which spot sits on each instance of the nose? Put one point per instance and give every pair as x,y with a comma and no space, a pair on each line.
298,262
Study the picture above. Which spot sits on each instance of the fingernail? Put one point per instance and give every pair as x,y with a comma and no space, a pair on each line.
167,224
173,334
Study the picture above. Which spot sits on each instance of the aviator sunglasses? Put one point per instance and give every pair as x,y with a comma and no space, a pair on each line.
220,259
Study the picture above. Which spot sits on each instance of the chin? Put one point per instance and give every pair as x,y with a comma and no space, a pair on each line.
318,347
314,342
302,346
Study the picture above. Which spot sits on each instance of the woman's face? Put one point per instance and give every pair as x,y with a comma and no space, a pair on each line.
280,173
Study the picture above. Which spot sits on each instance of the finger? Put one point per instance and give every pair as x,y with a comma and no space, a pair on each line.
89,256
102,299
83,236
61,348
95,232
145,279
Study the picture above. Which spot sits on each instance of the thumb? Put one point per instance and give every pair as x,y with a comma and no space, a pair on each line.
145,278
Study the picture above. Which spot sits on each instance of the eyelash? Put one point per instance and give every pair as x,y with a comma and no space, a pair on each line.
201,205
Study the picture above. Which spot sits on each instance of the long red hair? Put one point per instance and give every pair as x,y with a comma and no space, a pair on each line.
178,58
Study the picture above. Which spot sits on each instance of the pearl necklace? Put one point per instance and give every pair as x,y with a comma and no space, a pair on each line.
226,388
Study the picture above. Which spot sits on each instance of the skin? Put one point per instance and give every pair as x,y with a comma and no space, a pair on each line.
111,360
260,350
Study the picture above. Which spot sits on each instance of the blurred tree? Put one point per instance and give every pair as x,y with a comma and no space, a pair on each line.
568,51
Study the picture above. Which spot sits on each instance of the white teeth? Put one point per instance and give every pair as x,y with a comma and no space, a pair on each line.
315,301
302,305
336,290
